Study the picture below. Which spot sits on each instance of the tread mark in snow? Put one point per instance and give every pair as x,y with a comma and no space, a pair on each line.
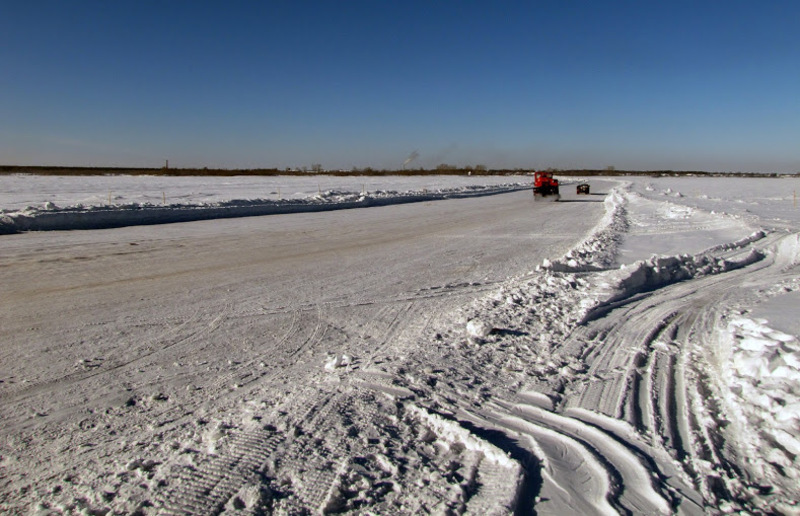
207,489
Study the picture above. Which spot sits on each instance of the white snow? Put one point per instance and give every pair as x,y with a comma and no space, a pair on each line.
67,202
478,328
764,392
636,350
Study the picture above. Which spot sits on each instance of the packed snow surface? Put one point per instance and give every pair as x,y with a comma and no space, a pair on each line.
450,347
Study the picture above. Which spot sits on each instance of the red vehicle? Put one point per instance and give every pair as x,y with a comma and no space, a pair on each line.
545,187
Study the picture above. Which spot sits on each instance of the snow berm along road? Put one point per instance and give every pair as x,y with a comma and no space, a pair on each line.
445,356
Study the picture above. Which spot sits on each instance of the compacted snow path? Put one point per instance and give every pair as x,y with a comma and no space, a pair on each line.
484,355
133,354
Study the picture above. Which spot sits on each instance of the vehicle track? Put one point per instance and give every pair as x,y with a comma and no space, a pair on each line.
646,366
185,335
209,487
640,427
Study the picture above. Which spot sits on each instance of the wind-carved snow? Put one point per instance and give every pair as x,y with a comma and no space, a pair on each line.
623,374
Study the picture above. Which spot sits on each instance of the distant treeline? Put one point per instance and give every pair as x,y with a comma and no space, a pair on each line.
317,170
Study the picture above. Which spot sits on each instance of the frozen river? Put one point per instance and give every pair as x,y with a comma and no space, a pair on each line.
486,354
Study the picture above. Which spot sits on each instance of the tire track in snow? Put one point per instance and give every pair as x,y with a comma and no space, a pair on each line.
642,371
645,370
328,471
628,385
574,453
189,331
315,484
665,450
252,372
208,488
322,471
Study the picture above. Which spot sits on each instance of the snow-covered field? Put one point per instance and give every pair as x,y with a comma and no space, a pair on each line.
631,351
68,202
21,191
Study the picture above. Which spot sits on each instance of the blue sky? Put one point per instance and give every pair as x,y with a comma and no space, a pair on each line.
709,85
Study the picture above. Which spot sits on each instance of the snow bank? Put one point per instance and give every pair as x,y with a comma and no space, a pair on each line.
582,286
759,371
598,251
787,252
50,217
453,433
660,271
762,372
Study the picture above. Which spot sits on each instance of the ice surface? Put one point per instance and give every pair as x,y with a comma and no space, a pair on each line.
630,352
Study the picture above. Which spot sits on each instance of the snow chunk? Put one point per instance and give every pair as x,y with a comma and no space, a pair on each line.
337,361
479,329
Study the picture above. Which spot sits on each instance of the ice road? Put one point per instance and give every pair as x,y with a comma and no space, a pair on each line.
611,354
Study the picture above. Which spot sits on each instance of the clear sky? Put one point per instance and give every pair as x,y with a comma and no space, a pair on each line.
683,85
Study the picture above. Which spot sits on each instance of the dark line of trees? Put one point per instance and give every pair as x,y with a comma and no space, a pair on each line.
443,169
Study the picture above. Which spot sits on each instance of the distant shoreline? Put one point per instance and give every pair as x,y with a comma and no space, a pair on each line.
477,171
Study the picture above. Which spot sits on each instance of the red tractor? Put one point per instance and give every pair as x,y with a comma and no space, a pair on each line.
545,187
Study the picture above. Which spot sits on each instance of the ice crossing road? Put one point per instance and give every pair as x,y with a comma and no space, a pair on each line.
411,359
140,334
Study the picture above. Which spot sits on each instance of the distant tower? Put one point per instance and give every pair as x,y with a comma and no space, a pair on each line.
167,165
